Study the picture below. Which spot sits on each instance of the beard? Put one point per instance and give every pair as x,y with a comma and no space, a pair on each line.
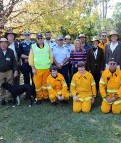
48,38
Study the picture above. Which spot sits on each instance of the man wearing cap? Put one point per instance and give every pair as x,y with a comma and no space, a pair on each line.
95,61
40,59
83,89
10,35
24,48
113,49
110,88
48,41
8,68
104,40
83,39
61,58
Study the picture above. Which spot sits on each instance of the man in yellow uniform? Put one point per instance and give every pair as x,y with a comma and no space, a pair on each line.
104,40
83,89
40,59
110,88
57,86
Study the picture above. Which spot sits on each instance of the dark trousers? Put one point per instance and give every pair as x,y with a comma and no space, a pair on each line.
27,73
64,72
97,76
70,71
74,70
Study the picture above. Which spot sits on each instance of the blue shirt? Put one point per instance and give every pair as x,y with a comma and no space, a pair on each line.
70,47
87,47
50,44
60,54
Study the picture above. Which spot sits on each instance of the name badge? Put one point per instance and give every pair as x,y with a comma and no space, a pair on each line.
7,59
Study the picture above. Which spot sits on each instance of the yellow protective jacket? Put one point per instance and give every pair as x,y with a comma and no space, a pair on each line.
83,85
56,86
110,84
102,45
31,57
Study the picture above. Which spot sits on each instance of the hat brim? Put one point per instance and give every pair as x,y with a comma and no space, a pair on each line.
113,34
15,35
5,41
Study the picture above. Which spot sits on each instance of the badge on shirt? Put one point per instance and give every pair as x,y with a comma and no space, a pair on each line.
7,59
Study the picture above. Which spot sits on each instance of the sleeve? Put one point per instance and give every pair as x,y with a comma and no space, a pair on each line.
31,58
73,87
50,88
102,86
106,54
88,61
102,60
93,86
20,49
68,54
64,86
51,55
119,90
14,63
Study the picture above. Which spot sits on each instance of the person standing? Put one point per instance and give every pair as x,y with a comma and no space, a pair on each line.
11,36
8,68
77,55
61,58
113,49
104,40
83,39
95,61
40,59
48,41
24,48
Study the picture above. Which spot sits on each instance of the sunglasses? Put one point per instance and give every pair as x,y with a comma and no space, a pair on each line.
112,63
40,38
104,35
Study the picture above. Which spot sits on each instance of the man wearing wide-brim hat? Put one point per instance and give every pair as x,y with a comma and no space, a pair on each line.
113,49
8,68
83,40
11,36
95,60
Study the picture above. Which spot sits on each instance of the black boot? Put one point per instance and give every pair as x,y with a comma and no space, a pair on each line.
3,102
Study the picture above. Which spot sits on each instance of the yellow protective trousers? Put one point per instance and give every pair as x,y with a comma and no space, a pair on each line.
83,105
40,80
106,107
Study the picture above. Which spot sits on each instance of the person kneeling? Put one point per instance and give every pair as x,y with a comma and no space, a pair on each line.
83,89
57,86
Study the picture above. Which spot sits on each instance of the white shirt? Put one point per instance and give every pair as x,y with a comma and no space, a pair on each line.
95,53
4,52
12,46
113,46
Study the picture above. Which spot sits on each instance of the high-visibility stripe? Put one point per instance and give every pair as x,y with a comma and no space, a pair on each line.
49,87
102,82
111,91
60,92
44,87
73,84
38,89
86,99
64,84
93,84
115,102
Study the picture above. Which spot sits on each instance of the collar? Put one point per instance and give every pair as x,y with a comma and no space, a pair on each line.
39,46
82,75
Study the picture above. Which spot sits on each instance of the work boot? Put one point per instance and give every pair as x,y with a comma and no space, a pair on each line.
3,102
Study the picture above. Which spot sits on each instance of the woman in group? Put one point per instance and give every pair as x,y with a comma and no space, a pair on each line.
77,55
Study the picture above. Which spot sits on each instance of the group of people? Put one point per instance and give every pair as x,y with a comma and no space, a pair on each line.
54,67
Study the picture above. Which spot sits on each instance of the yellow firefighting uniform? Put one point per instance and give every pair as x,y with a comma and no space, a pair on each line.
40,59
102,45
83,86
110,84
57,86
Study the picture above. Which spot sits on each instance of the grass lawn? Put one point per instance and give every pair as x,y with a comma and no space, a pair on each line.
57,124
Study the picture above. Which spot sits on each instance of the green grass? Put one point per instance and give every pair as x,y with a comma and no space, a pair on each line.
57,124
